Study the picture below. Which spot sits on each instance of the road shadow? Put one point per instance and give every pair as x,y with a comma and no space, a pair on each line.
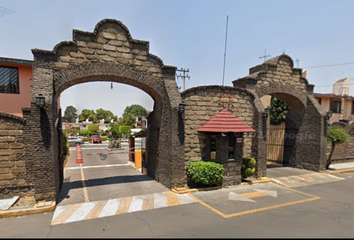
67,186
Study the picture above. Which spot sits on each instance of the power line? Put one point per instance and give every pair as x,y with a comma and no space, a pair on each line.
330,65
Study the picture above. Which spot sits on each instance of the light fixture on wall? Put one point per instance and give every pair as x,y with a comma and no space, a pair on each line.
328,115
181,107
266,112
40,101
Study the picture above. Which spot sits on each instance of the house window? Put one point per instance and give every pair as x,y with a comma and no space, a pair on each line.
213,147
352,107
319,100
335,106
9,81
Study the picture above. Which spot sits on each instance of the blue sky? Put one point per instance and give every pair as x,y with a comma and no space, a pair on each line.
191,34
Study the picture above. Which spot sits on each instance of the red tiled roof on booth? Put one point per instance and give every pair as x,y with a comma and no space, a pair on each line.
224,122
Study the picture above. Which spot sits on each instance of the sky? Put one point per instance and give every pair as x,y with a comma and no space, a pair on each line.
317,34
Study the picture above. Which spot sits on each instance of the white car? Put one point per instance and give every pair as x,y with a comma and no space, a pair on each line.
75,141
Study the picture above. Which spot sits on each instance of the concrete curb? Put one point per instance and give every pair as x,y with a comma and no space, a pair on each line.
38,208
259,180
339,171
189,190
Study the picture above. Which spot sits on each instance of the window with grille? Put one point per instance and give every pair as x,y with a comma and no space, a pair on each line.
9,82
335,106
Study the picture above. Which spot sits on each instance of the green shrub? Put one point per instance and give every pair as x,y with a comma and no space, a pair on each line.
206,173
103,138
65,144
86,139
248,167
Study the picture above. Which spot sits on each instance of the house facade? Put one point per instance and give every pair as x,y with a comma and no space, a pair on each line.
15,85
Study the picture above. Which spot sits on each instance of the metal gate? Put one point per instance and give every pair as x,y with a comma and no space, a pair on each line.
281,143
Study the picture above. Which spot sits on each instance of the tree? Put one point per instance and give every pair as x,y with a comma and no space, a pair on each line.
278,111
107,115
128,119
85,114
70,114
93,129
336,135
125,130
136,110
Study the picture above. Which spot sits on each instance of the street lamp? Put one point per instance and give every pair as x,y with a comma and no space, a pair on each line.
328,115
265,116
40,101
266,112
181,107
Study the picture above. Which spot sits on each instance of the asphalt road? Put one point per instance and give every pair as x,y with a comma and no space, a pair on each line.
268,210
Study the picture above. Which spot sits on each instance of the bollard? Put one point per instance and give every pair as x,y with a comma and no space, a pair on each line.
78,154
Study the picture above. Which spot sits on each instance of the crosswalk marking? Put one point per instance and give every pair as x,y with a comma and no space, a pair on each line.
110,208
82,212
148,202
136,204
172,199
160,200
100,209
124,205
306,179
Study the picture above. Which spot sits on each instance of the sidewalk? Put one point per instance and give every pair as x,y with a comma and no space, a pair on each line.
28,205
338,168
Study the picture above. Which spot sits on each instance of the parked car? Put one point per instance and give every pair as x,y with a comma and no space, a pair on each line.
95,139
75,141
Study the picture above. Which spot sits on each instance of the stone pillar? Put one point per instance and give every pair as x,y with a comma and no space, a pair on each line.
40,140
232,173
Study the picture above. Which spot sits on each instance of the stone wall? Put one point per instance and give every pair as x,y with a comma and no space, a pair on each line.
232,173
13,174
202,103
343,152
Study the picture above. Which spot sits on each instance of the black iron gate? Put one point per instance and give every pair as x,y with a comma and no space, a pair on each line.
281,143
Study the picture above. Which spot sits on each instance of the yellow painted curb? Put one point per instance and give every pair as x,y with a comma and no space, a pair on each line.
28,211
347,170
189,190
259,180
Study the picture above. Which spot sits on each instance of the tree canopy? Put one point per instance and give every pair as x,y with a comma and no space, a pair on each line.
70,114
136,110
96,116
278,111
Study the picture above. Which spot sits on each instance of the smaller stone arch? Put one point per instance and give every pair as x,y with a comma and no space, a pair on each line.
278,77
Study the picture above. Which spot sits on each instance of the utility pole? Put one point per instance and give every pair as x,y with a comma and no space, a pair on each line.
184,76
265,55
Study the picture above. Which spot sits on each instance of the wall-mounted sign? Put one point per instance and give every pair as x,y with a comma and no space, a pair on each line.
239,140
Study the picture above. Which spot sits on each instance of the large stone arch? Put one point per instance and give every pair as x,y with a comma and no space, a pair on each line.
109,53
278,77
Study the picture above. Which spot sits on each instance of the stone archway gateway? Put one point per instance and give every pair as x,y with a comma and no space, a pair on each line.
109,53
306,119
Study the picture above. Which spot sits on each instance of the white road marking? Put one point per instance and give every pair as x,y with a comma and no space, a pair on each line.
160,200
99,166
82,212
136,204
236,197
110,208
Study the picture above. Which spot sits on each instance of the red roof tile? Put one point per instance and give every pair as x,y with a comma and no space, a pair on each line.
224,122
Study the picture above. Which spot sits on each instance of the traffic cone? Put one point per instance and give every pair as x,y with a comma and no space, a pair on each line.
78,154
